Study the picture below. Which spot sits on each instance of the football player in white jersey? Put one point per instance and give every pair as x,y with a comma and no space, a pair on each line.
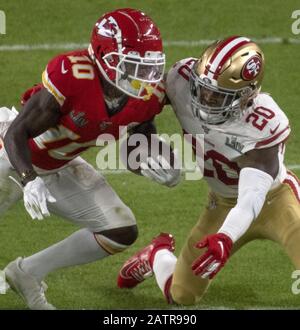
252,195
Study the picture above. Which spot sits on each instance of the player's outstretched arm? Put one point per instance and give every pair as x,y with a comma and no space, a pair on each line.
39,114
158,161
259,168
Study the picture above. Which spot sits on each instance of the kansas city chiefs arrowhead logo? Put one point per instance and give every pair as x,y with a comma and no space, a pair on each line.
108,27
251,68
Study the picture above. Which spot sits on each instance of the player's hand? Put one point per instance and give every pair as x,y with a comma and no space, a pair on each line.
218,251
36,195
160,170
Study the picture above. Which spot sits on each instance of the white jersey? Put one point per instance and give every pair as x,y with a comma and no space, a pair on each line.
262,125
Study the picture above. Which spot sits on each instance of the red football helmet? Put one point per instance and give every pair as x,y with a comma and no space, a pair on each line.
127,48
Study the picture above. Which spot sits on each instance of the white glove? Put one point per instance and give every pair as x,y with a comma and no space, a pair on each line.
3,284
161,171
36,195
6,118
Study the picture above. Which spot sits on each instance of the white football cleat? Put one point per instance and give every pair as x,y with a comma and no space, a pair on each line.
27,286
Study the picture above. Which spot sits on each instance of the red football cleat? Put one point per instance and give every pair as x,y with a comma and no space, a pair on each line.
139,267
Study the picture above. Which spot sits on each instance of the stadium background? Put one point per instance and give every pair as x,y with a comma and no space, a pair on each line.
259,276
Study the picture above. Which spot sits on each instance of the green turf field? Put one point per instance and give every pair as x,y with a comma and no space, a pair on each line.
259,276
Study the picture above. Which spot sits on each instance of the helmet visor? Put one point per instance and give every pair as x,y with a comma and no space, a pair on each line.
135,74
145,70
209,101
211,96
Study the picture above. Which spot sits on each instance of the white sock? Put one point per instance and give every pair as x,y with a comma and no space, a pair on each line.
79,248
163,267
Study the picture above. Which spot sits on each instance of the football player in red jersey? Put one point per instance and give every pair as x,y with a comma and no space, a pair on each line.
84,93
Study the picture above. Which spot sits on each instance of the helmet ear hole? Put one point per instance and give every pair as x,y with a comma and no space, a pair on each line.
110,59
247,91
98,51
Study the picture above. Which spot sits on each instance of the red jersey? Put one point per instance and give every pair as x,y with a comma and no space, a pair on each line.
73,80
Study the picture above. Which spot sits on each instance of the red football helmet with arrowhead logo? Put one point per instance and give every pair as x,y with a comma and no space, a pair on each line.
127,48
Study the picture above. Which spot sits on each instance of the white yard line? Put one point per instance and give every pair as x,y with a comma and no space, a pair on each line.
294,167
174,43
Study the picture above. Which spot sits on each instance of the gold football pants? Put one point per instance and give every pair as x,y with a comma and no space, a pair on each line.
278,221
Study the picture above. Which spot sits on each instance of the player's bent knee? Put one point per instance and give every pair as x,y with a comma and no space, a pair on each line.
182,296
124,235
118,239
120,216
126,215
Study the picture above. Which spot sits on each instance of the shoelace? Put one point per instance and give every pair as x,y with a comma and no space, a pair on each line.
40,297
142,271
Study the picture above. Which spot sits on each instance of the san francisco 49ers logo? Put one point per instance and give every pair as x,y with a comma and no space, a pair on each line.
251,68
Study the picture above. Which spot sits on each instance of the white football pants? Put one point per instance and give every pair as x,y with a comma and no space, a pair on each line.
83,196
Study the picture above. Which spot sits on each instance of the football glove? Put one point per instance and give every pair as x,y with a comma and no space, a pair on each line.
160,170
36,195
218,251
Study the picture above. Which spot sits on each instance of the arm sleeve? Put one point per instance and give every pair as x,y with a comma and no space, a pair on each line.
253,187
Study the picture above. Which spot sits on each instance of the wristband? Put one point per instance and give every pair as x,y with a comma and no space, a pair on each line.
27,176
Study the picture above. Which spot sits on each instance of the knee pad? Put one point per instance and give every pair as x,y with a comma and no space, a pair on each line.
109,245
119,216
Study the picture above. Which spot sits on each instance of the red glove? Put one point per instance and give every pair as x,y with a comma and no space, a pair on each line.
218,251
